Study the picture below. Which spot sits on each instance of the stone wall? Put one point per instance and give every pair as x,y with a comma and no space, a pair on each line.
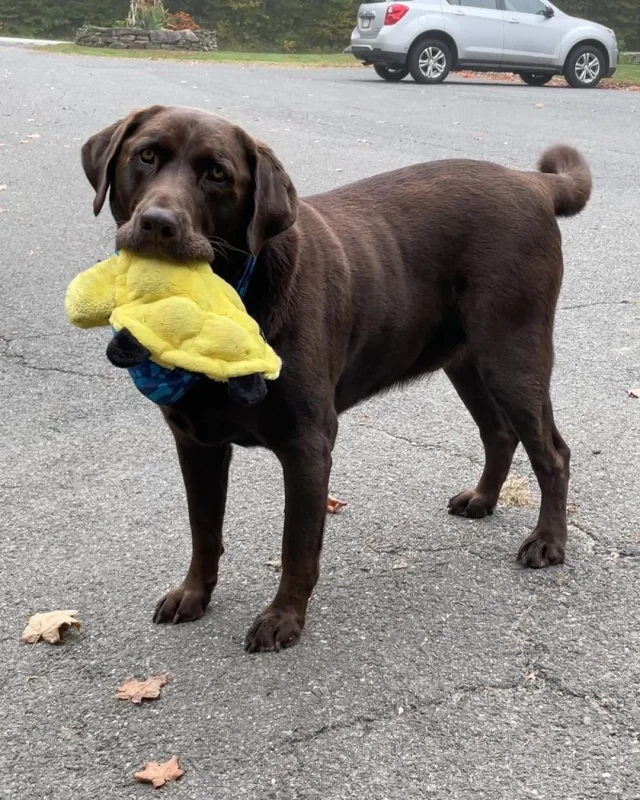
631,58
141,39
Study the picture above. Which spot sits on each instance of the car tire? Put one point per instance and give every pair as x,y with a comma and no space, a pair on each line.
585,67
535,78
391,74
429,61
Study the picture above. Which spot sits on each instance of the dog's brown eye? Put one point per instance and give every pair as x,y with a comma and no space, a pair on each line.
216,174
147,156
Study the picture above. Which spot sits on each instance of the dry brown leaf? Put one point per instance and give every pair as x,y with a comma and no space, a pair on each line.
334,506
635,393
275,564
158,773
136,691
3,187
49,626
516,493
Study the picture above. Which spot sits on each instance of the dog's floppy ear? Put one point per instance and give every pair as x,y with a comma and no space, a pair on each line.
275,199
100,152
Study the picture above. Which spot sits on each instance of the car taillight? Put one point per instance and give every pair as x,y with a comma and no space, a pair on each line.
395,13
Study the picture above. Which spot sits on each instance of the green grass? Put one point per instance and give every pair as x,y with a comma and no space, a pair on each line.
627,73
275,59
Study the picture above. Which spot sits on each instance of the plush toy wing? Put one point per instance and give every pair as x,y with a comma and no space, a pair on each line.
91,296
178,332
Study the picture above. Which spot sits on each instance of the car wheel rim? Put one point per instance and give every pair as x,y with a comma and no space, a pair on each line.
587,67
432,62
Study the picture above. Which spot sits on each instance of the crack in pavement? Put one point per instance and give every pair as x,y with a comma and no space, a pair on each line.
535,681
7,340
600,303
333,727
605,547
439,448
399,550
21,361
581,529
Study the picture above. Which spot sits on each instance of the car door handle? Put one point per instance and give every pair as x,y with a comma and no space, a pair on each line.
460,13
514,21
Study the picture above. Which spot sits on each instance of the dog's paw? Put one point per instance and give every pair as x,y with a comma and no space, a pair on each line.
471,504
181,605
274,629
541,549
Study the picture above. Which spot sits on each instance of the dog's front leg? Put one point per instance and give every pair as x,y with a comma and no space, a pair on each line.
306,466
205,471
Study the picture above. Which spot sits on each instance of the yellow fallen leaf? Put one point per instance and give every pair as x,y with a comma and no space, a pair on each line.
136,691
159,773
49,626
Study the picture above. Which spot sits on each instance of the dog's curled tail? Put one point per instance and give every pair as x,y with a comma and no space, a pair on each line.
568,176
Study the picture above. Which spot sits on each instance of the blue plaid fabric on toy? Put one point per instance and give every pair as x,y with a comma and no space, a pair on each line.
162,385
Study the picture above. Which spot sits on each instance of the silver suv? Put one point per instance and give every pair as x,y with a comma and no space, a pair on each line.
531,38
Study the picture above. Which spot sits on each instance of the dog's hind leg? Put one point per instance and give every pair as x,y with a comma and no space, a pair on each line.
518,375
498,437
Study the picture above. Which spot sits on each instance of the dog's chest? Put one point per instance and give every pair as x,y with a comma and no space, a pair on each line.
209,418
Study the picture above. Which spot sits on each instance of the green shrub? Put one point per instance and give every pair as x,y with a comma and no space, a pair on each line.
152,19
58,19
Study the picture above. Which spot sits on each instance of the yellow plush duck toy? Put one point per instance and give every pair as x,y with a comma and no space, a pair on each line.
174,324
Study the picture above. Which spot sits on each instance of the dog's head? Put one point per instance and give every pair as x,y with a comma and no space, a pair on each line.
180,180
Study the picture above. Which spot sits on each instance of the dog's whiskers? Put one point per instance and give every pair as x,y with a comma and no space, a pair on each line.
224,244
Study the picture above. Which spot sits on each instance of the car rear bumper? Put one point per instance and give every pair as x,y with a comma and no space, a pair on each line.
371,55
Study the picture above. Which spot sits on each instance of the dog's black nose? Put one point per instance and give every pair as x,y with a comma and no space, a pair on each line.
158,223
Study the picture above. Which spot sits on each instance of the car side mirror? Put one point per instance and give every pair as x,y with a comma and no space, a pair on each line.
549,12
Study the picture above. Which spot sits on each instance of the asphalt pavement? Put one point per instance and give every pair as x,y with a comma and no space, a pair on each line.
433,666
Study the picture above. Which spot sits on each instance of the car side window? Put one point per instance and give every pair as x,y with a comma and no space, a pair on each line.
480,3
526,6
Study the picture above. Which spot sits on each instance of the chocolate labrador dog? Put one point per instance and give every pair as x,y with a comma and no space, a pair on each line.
453,265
